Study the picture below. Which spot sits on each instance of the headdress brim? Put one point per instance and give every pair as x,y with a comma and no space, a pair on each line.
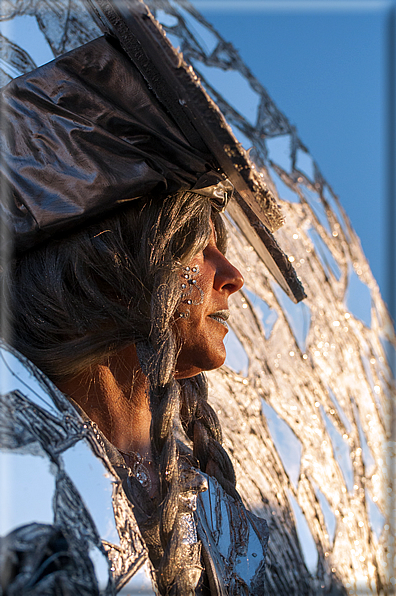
118,119
177,87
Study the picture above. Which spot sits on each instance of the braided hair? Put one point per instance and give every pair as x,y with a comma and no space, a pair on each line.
76,300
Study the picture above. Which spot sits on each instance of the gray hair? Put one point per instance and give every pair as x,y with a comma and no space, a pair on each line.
76,300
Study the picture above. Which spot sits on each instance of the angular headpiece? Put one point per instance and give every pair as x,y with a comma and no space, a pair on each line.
120,118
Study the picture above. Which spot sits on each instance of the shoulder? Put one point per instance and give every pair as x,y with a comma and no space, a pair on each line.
65,504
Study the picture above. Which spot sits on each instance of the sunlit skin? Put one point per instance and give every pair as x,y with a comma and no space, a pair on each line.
114,395
202,336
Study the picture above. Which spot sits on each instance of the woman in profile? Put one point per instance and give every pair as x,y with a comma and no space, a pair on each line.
117,290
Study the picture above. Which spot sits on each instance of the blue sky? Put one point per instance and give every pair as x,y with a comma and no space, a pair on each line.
324,63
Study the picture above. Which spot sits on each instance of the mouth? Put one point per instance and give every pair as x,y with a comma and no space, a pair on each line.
221,316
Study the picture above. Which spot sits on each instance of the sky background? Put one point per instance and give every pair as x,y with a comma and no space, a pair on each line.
324,63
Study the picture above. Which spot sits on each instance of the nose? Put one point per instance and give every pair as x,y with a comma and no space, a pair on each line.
227,277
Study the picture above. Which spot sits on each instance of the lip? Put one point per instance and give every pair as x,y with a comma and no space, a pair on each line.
220,316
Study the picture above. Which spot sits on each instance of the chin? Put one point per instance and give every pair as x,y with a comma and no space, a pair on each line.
211,361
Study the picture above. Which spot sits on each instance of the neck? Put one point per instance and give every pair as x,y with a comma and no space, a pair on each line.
114,396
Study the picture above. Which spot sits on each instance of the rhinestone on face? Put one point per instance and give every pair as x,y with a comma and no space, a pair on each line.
194,281
188,269
183,286
194,269
186,276
189,301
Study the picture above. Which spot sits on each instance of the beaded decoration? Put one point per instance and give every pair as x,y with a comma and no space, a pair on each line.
189,284
137,468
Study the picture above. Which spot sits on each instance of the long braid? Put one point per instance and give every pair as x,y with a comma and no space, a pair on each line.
202,427
158,360
158,357
115,283
169,400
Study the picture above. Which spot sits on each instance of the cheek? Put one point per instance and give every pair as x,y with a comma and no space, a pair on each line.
202,347
195,298
195,289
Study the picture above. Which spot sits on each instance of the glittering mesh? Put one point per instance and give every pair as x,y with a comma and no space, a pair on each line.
305,400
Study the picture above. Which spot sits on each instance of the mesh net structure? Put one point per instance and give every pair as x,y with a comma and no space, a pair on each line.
306,397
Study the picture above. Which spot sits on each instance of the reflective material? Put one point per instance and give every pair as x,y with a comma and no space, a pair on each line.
286,442
227,536
323,252
307,543
297,315
305,164
14,376
266,315
247,566
27,488
358,298
329,517
236,357
95,487
101,566
376,518
373,393
7,71
390,353
279,151
341,450
206,38
344,418
25,32
342,369
140,583
188,528
246,102
98,141
367,370
333,203
285,192
317,206
368,460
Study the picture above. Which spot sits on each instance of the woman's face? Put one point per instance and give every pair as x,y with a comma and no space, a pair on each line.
203,331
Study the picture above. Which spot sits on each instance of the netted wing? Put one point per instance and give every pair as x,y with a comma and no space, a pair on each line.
305,400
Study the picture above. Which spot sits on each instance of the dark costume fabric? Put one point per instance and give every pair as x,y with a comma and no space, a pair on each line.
86,133
75,522
75,146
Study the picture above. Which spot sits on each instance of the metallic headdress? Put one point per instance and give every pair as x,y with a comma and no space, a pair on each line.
120,118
